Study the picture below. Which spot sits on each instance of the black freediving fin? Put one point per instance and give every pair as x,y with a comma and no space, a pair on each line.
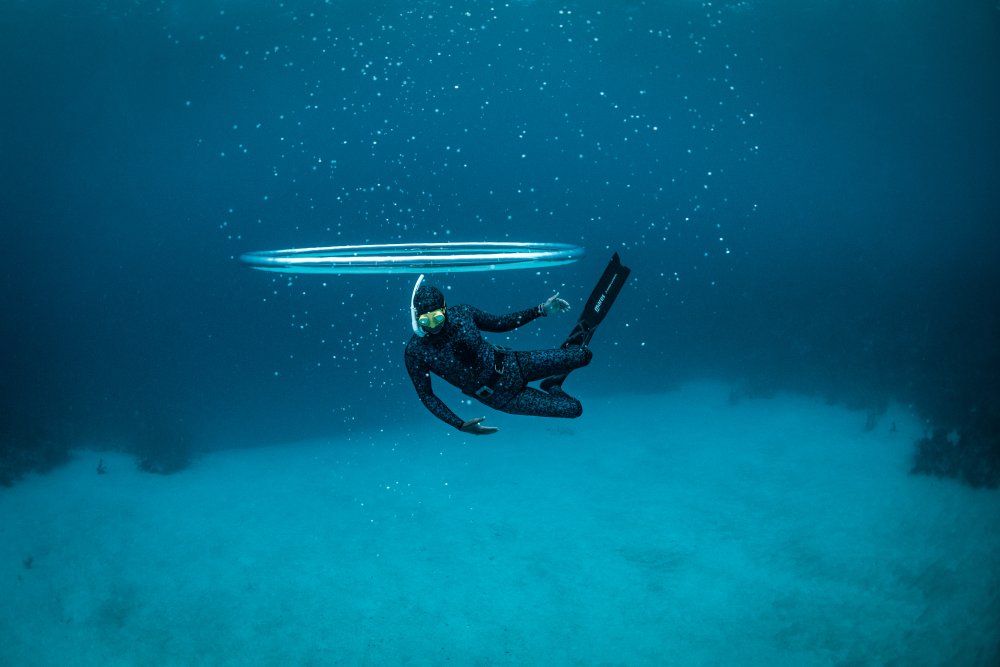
598,305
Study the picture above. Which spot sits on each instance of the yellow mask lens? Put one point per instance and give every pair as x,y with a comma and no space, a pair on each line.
433,319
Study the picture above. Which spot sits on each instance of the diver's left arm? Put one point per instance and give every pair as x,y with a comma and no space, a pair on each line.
501,323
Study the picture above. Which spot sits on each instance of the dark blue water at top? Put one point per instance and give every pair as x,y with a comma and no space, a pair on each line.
805,193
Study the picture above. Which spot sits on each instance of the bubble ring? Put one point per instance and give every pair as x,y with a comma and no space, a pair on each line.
415,257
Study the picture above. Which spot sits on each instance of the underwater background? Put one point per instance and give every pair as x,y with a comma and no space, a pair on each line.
806,193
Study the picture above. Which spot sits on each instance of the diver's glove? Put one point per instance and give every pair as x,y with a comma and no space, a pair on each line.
553,305
473,426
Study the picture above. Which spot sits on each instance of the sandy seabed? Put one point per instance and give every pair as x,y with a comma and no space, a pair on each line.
672,529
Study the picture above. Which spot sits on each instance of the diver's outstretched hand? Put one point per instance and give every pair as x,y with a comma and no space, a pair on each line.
473,426
554,305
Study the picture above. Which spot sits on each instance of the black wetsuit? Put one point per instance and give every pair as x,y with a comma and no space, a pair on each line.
495,377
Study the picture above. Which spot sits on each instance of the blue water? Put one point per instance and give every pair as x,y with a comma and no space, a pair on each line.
805,193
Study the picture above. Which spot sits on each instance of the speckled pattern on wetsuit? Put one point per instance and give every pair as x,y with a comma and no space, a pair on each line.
462,357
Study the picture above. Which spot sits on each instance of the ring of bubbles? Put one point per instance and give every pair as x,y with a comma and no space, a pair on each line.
414,257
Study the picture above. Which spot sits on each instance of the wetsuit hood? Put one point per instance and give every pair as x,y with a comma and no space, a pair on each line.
425,298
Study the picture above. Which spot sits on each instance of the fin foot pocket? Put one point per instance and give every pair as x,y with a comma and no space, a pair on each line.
554,381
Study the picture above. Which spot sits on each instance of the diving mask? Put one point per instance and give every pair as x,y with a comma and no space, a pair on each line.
433,319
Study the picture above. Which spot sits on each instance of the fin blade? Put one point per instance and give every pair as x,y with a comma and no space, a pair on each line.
605,292
601,298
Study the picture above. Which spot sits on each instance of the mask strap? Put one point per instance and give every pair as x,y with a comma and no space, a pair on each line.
413,308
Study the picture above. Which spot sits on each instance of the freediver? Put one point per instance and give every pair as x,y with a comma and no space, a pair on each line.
448,341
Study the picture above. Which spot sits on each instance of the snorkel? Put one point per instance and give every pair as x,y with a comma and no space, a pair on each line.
413,309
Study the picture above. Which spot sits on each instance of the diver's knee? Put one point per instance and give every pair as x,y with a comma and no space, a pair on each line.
588,354
576,410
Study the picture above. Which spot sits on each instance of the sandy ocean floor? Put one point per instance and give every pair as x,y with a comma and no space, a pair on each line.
672,529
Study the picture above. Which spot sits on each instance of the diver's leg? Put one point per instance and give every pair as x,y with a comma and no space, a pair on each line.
531,401
513,395
540,364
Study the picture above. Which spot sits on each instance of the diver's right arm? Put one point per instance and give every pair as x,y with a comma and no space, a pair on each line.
422,383
420,375
421,379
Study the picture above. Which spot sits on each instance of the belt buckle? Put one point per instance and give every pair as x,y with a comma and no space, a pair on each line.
483,392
